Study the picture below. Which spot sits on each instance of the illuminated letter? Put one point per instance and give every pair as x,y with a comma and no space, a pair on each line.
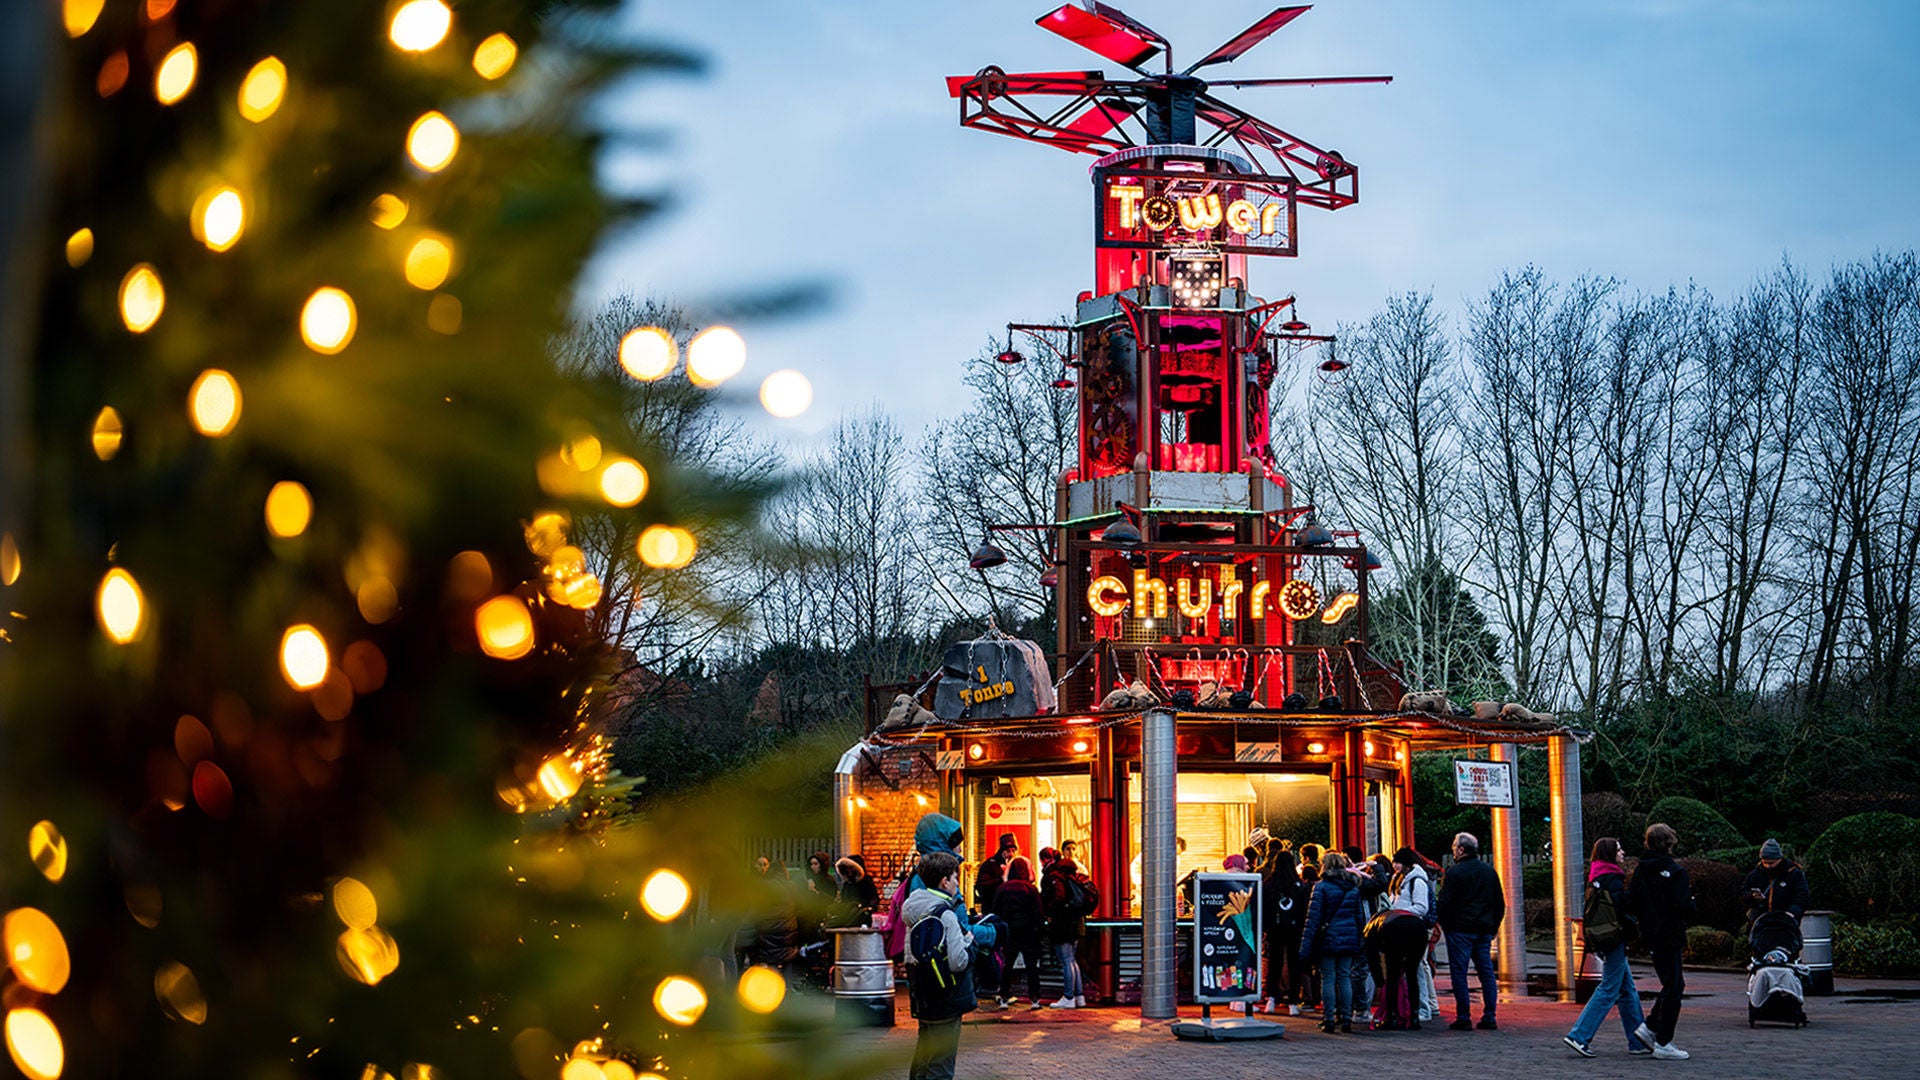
1230,590
1157,212
1097,596
1269,214
1242,217
1188,607
1339,608
1144,587
1260,589
1299,599
1198,213
1129,196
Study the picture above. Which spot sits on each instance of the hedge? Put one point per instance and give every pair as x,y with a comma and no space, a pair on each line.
1700,827
1716,893
1875,950
1867,865
1705,945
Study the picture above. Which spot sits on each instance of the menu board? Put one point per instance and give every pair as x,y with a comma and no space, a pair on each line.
1226,937
1483,783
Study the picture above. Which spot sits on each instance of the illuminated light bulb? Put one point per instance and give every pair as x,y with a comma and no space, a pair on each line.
664,895
35,1044
214,403
715,355
419,25
648,353
1080,746
79,248
389,210
263,89
176,73
786,393
354,903
107,434
623,483
289,509
1316,748
558,778
179,993
79,15
546,533
36,951
303,657
432,141
9,559
48,850
1367,747
444,314
494,56
1399,755
505,628
142,298
615,1069
861,802
679,1000
581,1069
665,547
429,261
120,607
327,320
377,599
219,216
368,955
762,989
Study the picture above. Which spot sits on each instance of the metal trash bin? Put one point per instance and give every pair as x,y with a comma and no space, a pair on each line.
1816,951
862,977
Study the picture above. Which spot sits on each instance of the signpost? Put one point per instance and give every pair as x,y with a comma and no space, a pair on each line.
1227,932
1484,783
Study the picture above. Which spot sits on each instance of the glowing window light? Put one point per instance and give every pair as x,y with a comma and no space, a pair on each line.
762,989
142,298
289,509
664,895
214,403
679,1000
263,89
355,904
665,547
36,951
219,216
176,73
9,559
178,992
303,657
432,141
327,320
419,25
429,261
35,1044
79,248
505,628
623,483
648,353
715,355
48,850
389,210
79,15
494,57
786,393
558,778
120,607
107,434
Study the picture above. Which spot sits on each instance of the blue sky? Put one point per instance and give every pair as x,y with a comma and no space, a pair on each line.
1658,141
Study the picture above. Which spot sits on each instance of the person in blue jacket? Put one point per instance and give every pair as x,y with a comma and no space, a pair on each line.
1334,933
935,832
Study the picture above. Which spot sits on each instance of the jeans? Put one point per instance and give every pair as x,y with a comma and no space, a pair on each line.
1336,986
1478,948
1069,969
935,1051
1616,988
1666,1007
1025,945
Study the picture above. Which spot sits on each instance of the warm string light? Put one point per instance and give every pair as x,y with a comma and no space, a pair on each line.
214,403
679,1000
558,778
432,141
120,607
327,320
494,56
36,950
303,657
419,25
715,355
34,1044
174,77
178,992
79,248
80,15
762,989
142,298
289,509
786,394
219,216
648,353
389,210
355,904
623,482
665,547
107,434
263,89
664,895
504,627
429,261
48,850
9,560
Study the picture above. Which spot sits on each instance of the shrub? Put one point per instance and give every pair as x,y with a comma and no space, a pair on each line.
1536,880
1705,945
1867,865
1875,950
1743,857
1608,813
1701,827
1716,893
1539,915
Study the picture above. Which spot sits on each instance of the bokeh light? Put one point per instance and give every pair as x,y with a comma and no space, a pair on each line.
648,353
432,141
120,607
176,73
79,247
389,210
35,1044
36,951
9,559
303,657
623,482
79,15
368,955
142,298
178,992
289,509
580,1068
419,25
327,320
505,628
219,217
354,903
762,989
444,314
664,895
377,598
494,56
679,1000
48,850
429,261
214,403
665,547
107,433
786,393
558,778
715,355
263,89
212,790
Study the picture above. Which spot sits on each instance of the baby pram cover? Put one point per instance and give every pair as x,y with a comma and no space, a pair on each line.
1776,989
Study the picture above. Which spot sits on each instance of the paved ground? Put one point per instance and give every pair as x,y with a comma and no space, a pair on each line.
1858,1034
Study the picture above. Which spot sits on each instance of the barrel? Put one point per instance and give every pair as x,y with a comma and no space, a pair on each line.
1816,951
862,977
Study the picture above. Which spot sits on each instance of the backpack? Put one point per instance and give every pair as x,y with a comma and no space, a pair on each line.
927,948
1601,921
1080,895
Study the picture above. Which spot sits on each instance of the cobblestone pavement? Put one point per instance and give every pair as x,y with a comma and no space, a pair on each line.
1858,1034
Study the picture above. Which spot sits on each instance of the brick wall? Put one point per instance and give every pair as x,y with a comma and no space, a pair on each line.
888,820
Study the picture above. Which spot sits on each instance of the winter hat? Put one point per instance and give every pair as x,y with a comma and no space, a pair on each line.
1771,849
1258,836
1007,840
1235,862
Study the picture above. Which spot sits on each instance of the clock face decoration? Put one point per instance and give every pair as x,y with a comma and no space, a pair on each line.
1299,599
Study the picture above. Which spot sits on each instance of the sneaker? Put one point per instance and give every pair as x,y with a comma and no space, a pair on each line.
1003,1003
1462,1024
1063,1003
1037,1005
1669,1052
1645,1035
1080,1002
1293,1010
1578,1047
1486,1024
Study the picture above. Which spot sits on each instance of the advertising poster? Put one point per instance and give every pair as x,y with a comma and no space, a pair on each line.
1226,937
1483,783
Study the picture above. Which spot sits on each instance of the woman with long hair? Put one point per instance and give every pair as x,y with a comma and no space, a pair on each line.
1607,939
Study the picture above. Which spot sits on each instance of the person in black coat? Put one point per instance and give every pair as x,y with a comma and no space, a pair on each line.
1017,902
1662,899
1470,908
1286,900
857,898
1777,884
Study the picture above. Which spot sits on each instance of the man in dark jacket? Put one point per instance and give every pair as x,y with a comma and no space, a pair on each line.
1777,884
1017,903
1662,899
1470,908
993,871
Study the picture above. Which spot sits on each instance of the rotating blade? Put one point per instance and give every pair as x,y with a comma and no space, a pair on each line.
1115,40
1332,80
1251,36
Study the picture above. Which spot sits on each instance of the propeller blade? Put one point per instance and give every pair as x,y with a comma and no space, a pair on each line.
1251,36
1114,40
1034,82
1335,80
1128,21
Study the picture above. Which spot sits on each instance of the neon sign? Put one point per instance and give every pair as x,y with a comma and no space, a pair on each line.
1148,596
1194,212
1236,214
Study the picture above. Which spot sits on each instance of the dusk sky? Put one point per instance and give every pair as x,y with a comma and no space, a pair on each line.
1657,141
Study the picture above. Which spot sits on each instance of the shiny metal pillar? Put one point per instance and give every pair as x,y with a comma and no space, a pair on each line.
1159,766
1569,860
1510,946
846,815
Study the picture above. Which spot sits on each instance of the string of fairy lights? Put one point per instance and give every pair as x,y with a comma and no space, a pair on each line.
503,625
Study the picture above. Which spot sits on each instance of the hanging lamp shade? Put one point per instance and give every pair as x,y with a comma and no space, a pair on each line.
1122,532
986,555
1316,536
1050,578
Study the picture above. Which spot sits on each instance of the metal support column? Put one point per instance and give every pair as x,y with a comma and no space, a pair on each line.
1159,766
1510,946
846,814
1569,861
1352,830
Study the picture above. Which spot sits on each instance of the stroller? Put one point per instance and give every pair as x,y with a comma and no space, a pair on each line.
1777,988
